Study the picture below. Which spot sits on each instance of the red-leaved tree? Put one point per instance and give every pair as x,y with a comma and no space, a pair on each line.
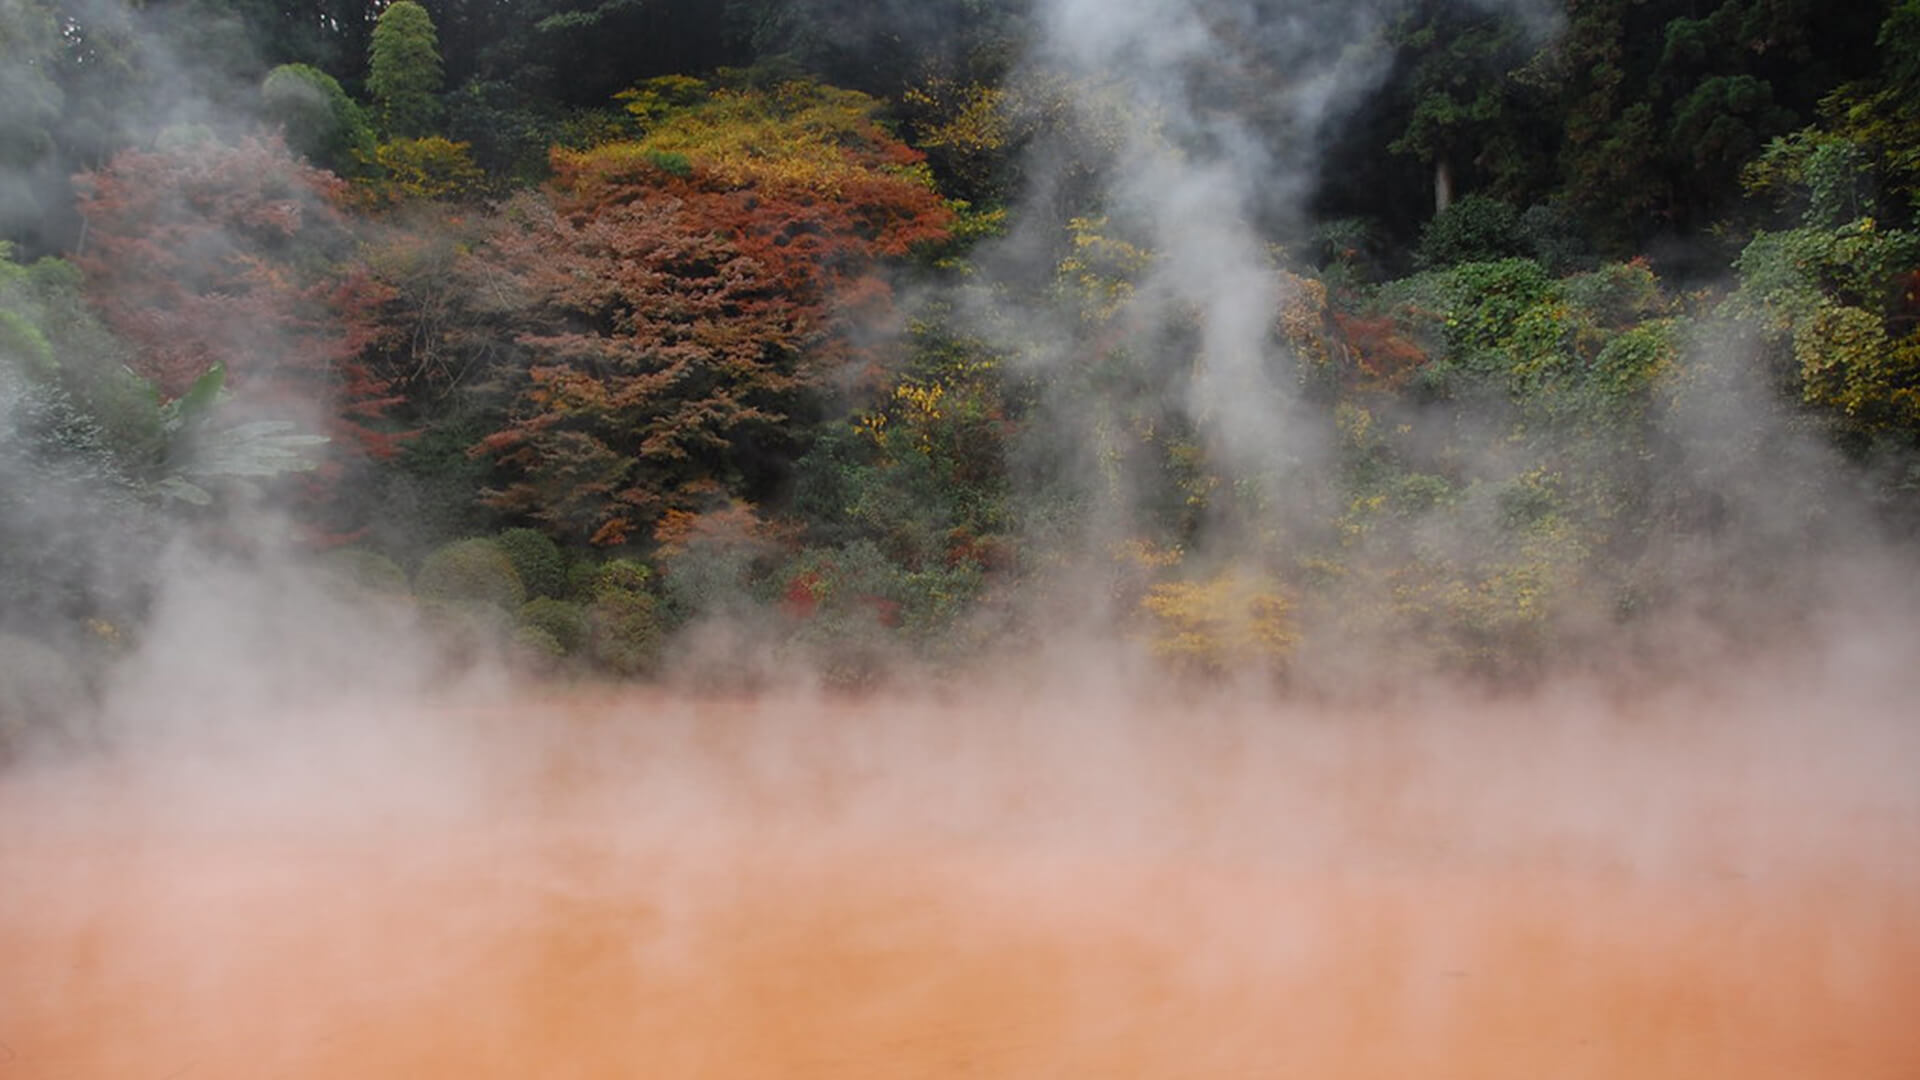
681,296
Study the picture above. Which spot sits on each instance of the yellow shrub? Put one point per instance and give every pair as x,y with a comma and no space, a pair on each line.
429,168
1230,621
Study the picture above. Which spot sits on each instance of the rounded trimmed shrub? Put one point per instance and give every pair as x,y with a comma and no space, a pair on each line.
537,650
619,576
623,632
565,622
470,571
537,559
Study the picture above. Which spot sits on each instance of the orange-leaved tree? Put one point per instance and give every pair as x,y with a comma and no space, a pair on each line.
682,295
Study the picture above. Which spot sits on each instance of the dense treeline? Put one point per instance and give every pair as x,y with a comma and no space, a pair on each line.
581,325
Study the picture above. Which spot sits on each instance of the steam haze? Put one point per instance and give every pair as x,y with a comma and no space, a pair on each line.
294,833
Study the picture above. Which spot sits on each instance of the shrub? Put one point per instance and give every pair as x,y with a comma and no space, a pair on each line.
1618,295
1553,237
565,622
623,632
1475,229
431,168
617,576
537,559
368,570
1230,622
474,571
537,651
320,121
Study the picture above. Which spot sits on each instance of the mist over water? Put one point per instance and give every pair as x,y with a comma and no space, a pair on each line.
1714,880
296,841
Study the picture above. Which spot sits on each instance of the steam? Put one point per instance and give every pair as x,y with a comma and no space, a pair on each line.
301,840
1220,109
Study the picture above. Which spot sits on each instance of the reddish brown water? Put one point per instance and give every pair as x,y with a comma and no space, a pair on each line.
664,889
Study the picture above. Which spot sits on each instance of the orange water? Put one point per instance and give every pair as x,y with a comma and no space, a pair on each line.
650,889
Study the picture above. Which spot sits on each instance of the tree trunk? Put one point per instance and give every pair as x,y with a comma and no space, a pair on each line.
1442,185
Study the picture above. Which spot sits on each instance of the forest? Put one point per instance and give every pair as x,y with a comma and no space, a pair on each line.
1306,342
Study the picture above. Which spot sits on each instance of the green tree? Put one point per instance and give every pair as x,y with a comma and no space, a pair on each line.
1836,295
1470,119
319,120
404,74
1662,101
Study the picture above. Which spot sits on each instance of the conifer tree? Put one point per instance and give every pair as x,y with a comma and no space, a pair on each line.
405,73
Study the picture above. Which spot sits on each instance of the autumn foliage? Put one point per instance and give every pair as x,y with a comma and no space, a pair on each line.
239,256
682,295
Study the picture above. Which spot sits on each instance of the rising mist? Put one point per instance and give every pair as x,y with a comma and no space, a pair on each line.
1515,752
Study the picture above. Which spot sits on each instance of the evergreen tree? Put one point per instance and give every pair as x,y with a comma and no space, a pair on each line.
405,73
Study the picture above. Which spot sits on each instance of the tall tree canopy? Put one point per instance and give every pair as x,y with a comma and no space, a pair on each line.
681,293
404,73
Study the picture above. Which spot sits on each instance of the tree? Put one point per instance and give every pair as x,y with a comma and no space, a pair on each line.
94,464
882,46
1836,294
318,119
67,90
1469,119
237,258
679,296
1663,100
404,71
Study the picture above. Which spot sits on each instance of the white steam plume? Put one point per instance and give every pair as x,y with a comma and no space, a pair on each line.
1220,110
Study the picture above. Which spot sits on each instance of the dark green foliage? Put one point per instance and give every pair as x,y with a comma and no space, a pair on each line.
1467,115
847,604
431,492
404,72
1471,311
1552,236
1618,296
1566,353
1832,308
563,622
319,120
713,575
470,572
47,326
1474,229
1662,101
1722,123
31,106
881,46
537,559
923,474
